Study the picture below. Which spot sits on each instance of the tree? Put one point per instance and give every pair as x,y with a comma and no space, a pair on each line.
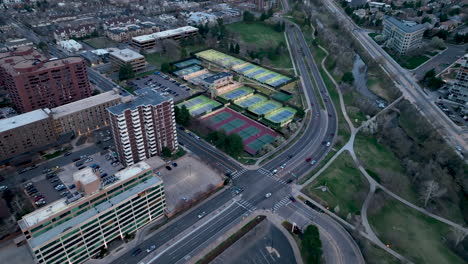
248,17
348,78
263,17
166,67
166,152
183,53
438,43
431,189
426,19
237,49
432,81
234,145
182,115
126,72
311,245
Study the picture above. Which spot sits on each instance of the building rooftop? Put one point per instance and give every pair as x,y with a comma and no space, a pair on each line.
23,119
165,34
86,103
51,209
145,96
127,55
216,77
85,176
406,26
82,218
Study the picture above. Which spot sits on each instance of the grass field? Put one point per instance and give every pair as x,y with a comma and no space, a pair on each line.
100,42
412,62
347,188
262,35
374,254
377,158
420,238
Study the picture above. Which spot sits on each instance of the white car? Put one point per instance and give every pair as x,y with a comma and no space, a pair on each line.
3,188
151,248
328,144
201,215
267,195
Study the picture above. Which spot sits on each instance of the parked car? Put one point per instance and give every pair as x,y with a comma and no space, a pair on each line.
201,215
174,164
3,188
150,248
168,168
267,195
136,252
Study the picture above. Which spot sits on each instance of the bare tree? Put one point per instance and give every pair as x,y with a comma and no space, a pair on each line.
431,189
458,235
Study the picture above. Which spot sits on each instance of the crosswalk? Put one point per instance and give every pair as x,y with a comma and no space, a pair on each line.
269,174
283,202
236,174
246,205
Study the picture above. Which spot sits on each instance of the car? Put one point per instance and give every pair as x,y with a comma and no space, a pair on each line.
36,195
88,160
44,171
54,180
174,164
83,156
274,171
108,157
79,163
40,203
328,144
150,248
289,181
292,199
267,195
28,184
76,159
313,162
103,175
32,191
38,198
201,215
65,193
308,159
67,154
82,167
168,168
3,188
136,252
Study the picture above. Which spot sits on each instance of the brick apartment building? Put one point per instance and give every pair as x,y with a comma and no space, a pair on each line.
34,82
143,126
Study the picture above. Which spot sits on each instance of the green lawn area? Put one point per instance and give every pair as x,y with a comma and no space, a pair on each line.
374,254
100,42
412,234
157,59
347,188
356,115
377,158
262,36
412,62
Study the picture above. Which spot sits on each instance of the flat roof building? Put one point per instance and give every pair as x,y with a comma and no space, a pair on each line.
147,42
85,115
459,90
128,56
143,127
26,132
402,36
75,229
34,82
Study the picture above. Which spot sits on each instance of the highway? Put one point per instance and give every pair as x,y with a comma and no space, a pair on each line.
454,135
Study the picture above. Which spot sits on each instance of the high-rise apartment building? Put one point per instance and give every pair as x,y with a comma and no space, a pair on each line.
143,127
75,229
402,36
459,90
34,82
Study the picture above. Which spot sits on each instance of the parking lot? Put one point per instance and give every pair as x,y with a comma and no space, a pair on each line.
55,183
164,84
453,111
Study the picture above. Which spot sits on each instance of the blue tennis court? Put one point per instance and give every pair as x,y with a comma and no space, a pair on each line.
267,77
257,72
252,100
237,93
246,68
186,63
281,115
265,108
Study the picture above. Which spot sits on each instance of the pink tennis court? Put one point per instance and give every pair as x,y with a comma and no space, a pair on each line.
254,135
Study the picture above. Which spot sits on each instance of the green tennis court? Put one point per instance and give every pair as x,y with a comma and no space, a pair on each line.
232,125
248,132
264,107
261,141
282,115
220,117
282,97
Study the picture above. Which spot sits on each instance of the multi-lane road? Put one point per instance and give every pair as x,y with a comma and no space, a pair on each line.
321,127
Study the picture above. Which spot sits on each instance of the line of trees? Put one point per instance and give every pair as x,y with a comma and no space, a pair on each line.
182,115
231,144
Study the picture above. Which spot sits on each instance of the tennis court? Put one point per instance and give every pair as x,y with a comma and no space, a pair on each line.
249,130
200,105
281,115
237,93
185,63
264,107
188,70
251,101
282,96
245,68
232,125
258,143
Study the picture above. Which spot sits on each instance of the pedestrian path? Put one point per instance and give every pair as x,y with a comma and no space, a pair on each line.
246,205
237,174
271,175
283,202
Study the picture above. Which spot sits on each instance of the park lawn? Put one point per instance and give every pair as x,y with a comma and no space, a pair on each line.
420,238
356,115
376,157
257,33
375,255
100,42
347,188
413,62
263,35
157,59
